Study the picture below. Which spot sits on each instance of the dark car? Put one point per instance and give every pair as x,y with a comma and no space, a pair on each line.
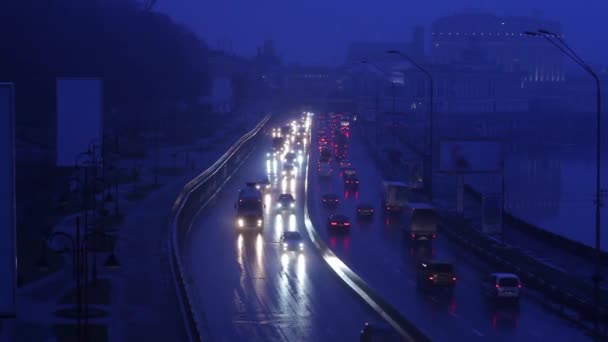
376,332
325,154
292,241
286,202
331,200
351,181
436,274
263,184
290,157
365,210
338,222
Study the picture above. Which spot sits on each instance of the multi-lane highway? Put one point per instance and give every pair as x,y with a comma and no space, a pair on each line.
247,289
381,254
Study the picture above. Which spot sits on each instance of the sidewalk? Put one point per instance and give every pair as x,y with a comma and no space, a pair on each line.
137,300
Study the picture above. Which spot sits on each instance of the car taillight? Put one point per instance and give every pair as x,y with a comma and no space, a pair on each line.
434,236
431,277
497,286
413,235
324,200
454,278
347,223
519,286
334,223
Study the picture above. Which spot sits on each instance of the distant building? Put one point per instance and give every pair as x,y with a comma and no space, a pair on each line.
310,82
377,51
501,42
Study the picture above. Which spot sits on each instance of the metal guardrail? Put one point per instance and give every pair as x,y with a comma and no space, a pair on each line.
192,199
555,285
406,329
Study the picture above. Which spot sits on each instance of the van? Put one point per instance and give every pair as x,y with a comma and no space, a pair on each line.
422,221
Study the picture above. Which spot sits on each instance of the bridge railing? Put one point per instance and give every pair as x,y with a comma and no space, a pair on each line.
192,199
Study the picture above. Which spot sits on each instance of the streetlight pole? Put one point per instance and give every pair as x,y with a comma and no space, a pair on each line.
431,95
386,74
562,46
80,250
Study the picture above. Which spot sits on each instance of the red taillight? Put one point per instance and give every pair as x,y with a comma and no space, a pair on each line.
519,286
413,235
388,208
324,200
434,236
497,286
454,278
347,223
431,278
334,223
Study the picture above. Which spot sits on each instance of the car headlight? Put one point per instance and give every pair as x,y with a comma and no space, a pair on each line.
285,244
240,222
283,172
257,186
259,223
292,205
279,205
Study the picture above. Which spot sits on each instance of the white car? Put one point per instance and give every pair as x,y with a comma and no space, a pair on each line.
501,285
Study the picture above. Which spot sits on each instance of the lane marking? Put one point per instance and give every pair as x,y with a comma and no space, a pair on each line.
477,332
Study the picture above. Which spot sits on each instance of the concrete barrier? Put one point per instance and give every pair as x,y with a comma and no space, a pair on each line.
193,197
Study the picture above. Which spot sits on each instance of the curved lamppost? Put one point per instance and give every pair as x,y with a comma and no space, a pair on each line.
557,41
78,245
431,100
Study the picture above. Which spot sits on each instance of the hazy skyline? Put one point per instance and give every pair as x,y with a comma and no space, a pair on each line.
317,31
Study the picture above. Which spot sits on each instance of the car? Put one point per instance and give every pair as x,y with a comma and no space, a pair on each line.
277,143
325,153
337,222
289,170
263,184
348,172
433,274
378,331
501,286
344,163
292,241
351,182
286,202
330,200
325,169
290,157
365,210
